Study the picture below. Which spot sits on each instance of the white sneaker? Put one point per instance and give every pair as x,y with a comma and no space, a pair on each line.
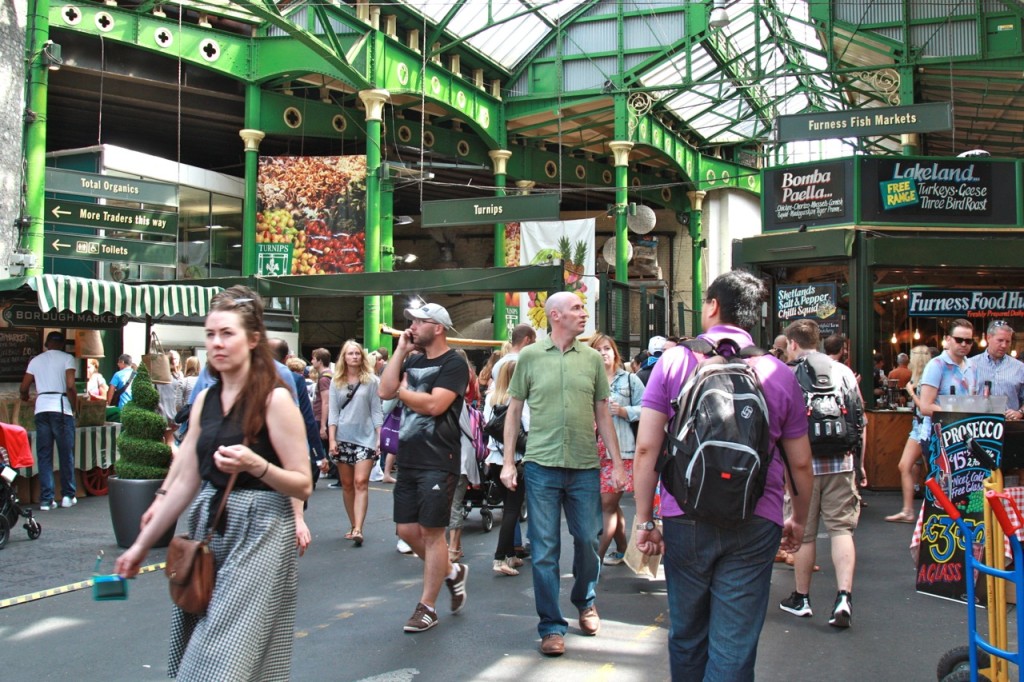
403,547
504,567
48,506
68,502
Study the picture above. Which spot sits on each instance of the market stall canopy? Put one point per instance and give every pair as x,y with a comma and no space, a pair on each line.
82,295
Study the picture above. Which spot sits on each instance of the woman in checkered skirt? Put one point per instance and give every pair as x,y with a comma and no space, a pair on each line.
248,424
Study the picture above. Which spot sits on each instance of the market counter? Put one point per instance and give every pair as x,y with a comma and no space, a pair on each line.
95,453
887,435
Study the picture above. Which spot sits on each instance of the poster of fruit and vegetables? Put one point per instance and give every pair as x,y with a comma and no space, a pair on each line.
316,205
571,241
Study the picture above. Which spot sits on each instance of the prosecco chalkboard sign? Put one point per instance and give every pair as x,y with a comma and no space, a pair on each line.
16,349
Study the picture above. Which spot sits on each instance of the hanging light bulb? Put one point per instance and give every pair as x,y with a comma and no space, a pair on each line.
917,334
983,342
1013,352
894,340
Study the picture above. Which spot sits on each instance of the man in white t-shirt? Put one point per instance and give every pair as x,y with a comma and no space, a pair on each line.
53,372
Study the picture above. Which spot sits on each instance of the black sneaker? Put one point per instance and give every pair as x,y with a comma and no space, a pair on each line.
457,586
421,619
797,604
842,612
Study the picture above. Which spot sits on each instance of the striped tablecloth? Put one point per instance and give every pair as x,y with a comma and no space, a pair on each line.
1016,493
95,446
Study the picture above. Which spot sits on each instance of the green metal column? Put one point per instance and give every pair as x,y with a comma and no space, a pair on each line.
620,150
862,316
500,158
374,101
697,244
35,131
387,255
252,137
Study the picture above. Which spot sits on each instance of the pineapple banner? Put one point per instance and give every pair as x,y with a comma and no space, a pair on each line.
571,241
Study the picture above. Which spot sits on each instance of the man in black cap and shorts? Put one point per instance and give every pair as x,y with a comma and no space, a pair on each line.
430,379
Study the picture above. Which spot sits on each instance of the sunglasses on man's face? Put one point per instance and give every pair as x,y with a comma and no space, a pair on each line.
962,341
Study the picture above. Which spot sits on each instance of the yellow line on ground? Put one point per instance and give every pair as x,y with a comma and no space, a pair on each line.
64,589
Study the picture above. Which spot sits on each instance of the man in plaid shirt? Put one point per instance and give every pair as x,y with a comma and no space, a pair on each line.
995,365
834,499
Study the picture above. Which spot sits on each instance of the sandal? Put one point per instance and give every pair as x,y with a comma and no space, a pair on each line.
348,535
902,517
455,554
357,537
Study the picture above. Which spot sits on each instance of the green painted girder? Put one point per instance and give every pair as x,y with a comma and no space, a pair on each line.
426,282
439,30
318,119
330,51
161,36
400,70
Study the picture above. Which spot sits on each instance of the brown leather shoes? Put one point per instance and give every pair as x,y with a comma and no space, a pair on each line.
552,645
590,622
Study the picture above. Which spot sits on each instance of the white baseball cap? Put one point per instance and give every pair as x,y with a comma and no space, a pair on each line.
432,312
656,344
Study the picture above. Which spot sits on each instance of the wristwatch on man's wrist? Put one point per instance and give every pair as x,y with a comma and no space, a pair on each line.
645,525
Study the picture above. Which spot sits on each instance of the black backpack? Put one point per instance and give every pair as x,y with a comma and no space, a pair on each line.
835,412
718,445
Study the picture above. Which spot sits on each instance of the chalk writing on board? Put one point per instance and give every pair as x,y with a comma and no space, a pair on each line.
16,349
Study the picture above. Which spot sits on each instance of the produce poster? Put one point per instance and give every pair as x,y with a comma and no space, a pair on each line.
940,569
571,241
512,298
316,205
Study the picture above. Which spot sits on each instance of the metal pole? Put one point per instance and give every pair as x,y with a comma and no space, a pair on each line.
500,158
374,101
35,132
252,136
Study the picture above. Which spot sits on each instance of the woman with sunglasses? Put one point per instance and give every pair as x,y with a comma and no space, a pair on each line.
245,424
354,419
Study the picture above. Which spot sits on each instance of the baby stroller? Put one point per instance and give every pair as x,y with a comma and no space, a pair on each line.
14,452
486,497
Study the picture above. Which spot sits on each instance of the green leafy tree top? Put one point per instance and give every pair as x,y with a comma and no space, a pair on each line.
143,452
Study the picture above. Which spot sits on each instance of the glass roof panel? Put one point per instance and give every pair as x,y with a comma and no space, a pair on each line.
510,39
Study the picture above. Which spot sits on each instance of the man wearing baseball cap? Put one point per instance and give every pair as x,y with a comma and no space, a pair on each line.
655,347
430,379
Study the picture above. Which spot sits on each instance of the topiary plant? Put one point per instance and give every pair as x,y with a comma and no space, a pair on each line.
143,452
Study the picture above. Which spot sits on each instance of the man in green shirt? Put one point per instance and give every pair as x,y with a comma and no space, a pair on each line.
564,382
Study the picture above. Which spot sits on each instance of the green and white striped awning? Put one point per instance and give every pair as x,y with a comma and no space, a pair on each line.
82,295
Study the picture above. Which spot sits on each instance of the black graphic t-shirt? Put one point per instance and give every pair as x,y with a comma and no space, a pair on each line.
426,442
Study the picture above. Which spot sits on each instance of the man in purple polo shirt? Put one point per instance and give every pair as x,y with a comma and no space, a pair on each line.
719,577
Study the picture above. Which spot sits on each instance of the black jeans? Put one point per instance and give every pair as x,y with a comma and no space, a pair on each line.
510,511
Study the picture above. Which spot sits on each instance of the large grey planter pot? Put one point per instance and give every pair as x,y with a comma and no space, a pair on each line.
129,500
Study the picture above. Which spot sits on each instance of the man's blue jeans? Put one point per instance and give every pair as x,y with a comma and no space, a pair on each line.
718,588
50,427
548,491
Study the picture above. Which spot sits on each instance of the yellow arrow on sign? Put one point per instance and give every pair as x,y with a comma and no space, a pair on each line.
57,213
58,245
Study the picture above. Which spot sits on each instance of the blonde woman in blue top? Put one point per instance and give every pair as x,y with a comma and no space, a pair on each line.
353,431
627,392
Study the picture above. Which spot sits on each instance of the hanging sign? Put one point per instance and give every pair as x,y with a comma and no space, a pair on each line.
80,247
61,181
490,210
824,125
99,216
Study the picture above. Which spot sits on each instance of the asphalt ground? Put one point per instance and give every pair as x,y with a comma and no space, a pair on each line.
353,603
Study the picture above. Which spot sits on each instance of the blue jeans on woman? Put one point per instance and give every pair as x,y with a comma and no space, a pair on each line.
548,491
718,588
50,427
